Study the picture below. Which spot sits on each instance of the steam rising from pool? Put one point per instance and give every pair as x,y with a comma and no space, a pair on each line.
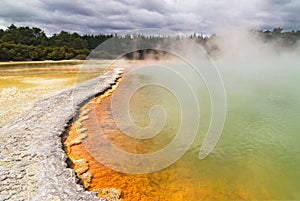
257,156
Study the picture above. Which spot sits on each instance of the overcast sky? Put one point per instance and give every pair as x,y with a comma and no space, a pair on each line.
119,16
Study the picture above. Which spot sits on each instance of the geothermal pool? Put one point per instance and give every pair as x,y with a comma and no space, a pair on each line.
256,158
61,74
23,83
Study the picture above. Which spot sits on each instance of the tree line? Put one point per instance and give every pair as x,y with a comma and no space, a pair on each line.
32,44
283,39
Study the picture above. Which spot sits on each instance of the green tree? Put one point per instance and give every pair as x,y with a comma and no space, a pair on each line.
66,39
1,33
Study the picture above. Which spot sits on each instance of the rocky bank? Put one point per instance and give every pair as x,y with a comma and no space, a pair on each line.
32,160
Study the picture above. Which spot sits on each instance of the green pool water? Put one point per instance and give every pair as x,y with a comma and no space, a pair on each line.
258,154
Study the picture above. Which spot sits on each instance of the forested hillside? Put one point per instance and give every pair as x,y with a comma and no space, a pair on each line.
32,44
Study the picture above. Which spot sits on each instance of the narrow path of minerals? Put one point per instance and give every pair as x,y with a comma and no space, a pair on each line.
32,161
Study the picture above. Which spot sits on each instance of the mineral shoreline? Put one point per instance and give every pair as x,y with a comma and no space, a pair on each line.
32,160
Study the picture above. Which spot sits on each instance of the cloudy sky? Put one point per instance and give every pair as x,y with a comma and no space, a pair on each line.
120,16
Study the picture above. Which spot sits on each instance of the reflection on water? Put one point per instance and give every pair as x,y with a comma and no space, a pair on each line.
257,157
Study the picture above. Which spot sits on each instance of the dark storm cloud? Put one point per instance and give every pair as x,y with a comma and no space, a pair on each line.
116,16
67,7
